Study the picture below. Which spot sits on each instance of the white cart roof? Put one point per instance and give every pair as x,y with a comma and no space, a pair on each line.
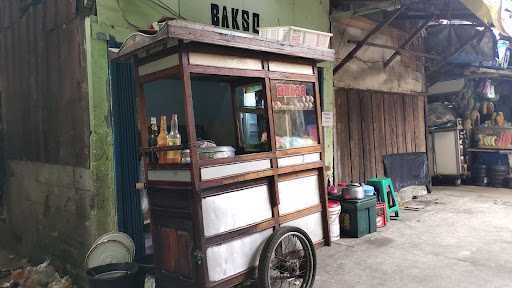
174,30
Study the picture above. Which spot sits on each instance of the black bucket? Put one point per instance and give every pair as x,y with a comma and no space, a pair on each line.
118,275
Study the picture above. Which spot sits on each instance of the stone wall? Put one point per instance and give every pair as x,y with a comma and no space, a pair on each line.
404,75
50,212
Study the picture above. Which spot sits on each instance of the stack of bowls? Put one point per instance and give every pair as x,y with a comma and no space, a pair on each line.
110,263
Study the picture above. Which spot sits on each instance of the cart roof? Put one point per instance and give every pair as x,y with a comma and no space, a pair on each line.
175,30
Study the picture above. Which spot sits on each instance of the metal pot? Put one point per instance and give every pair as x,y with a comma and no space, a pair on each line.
218,152
353,191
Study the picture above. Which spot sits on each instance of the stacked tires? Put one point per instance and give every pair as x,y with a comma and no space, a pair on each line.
508,182
479,175
497,175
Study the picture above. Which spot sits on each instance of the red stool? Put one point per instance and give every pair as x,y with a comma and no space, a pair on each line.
381,214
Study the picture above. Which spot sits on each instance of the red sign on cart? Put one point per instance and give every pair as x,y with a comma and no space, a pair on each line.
291,90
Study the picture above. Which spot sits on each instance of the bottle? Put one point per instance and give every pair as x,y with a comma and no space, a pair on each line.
174,139
162,140
152,139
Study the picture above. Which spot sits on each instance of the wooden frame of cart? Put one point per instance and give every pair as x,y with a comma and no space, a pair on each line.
210,217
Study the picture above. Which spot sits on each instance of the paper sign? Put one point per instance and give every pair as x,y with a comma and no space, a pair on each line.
327,119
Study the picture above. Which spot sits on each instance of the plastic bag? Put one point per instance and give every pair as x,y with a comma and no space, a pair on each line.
487,90
439,114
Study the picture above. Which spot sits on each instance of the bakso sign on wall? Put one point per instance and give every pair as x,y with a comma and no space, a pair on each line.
234,18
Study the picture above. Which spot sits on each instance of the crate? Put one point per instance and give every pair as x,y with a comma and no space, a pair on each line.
297,36
381,214
358,217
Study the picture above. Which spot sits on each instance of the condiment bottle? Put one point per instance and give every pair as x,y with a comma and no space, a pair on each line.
174,139
162,140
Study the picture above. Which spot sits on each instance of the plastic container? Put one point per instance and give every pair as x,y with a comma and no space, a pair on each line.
368,190
297,36
358,217
118,275
334,219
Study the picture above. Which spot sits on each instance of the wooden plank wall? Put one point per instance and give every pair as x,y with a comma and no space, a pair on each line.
43,80
371,124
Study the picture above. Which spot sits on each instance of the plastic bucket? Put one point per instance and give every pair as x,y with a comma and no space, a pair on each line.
334,210
118,275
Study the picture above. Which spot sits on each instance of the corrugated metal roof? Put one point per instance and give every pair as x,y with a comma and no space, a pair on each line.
43,80
495,12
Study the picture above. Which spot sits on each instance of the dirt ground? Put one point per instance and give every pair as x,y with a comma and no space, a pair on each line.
8,262
455,237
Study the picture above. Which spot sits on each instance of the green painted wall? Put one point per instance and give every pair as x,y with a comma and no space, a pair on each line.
101,132
121,20
311,14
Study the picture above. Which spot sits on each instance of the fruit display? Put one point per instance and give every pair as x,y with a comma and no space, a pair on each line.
499,138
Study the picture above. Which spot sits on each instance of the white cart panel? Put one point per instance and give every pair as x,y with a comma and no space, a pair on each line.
298,194
238,209
235,256
312,224
220,171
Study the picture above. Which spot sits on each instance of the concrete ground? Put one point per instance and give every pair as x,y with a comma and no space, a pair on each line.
461,238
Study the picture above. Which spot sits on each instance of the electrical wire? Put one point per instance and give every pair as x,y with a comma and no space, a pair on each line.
168,8
158,3
126,18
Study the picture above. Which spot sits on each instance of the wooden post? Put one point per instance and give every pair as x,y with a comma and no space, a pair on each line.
197,213
274,183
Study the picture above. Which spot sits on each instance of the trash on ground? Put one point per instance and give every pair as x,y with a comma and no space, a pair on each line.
42,276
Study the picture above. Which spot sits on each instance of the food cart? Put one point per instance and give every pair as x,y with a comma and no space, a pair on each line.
248,158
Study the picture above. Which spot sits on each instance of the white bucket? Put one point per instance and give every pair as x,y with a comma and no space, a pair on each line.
334,219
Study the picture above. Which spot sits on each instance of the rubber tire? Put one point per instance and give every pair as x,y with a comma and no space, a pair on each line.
268,248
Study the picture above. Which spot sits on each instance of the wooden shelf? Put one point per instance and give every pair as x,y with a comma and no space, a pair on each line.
295,109
178,166
489,149
488,72
258,110
163,149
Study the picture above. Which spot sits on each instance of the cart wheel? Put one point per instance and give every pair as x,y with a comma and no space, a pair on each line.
288,259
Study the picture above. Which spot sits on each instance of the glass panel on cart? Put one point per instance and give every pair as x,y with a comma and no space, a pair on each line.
231,116
166,123
295,115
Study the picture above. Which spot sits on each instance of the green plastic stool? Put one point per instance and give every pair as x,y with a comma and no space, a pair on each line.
386,193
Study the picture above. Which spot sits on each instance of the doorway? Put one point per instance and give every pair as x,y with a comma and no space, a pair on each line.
126,155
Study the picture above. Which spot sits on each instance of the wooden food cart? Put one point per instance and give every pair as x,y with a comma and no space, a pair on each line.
210,216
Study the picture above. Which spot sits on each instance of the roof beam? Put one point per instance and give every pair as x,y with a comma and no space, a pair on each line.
361,43
427,15
408,41
401,50
475,36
